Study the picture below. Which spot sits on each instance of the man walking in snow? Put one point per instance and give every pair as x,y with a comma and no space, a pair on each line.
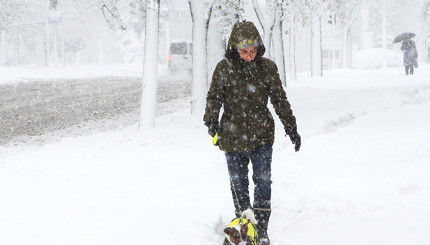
242,83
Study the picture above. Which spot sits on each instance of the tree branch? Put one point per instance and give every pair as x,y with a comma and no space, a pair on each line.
116,17
257,10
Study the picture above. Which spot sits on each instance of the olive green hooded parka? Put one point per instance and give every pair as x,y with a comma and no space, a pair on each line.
243,88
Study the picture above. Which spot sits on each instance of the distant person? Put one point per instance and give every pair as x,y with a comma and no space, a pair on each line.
428,54
243,83
410,56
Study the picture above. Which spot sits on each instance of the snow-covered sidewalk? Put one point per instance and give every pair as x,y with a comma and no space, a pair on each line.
360,178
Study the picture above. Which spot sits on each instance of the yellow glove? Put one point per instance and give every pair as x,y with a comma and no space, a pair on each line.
215,140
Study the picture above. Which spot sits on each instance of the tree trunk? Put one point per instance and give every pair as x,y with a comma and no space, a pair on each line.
15,53
150,65
292,52
101,51
349,46
47,45
63,52
384,35
278,45
2,47
55,44
316,47
345,48
333,44
267,26
199,36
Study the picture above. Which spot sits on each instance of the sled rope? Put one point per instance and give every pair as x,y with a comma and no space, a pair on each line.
237,198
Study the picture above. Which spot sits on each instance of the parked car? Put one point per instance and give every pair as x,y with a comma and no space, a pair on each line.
372,58
180,56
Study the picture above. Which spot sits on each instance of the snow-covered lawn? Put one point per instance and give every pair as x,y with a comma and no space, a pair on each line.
362,176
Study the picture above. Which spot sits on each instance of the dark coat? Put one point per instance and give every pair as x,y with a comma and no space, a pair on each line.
410,54
243,88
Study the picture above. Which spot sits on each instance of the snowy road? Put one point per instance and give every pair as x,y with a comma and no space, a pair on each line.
32,109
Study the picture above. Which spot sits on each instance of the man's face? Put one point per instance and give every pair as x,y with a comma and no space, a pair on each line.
248,54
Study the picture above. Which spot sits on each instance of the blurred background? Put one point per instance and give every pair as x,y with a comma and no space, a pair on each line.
71,32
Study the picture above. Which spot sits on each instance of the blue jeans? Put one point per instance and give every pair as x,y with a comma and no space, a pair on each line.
237,163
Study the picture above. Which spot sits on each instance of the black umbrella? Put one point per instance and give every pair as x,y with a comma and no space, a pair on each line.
403,37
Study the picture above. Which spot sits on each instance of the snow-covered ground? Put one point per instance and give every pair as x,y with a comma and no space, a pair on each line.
360,178
22,74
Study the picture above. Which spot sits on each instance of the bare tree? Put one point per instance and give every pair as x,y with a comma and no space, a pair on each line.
293,16
12,24
425,17
278,44
226,13
272,24
305,13
347,13
267,22
148,11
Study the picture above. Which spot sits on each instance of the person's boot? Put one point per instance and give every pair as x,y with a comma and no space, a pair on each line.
262,216
407,70
263,241
412,70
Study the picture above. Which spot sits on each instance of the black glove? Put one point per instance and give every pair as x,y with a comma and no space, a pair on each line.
212,125
294,136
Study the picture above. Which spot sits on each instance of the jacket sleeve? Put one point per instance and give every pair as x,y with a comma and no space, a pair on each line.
216,94
403,47
415,50
278,98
